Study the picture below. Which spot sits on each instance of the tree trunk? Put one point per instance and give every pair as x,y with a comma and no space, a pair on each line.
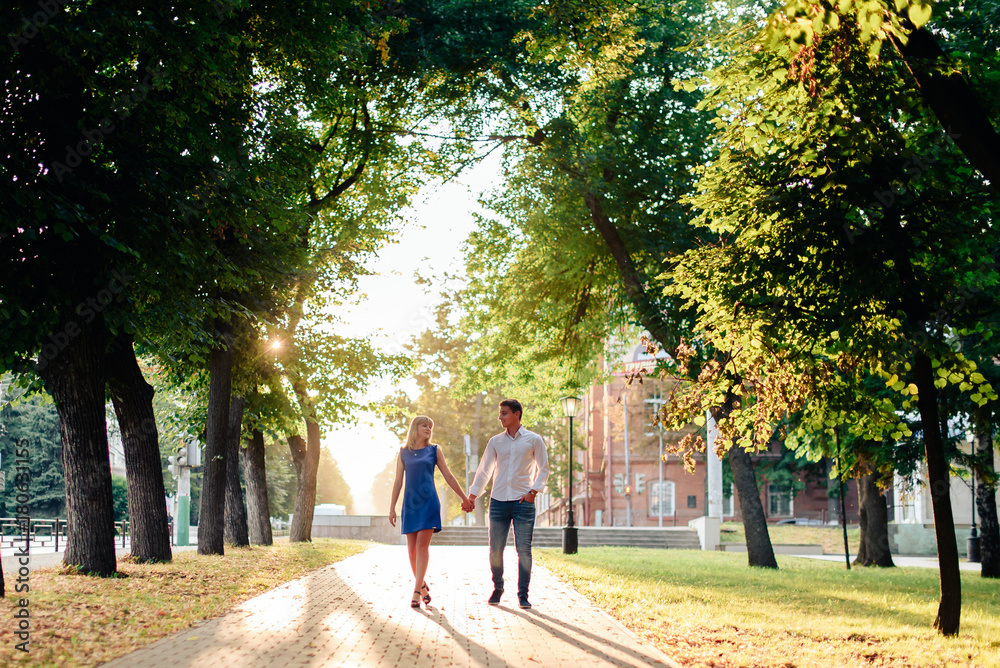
986,494
950,606
949,95
843,517
305,456
133,400
255,477
236,513
759,550
874,512
76,380
211,517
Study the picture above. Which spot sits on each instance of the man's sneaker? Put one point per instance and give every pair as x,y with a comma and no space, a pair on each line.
522,601
495,597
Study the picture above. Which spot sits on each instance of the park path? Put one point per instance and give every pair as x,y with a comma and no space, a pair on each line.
356,613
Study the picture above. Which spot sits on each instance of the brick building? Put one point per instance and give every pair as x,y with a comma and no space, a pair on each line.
622,470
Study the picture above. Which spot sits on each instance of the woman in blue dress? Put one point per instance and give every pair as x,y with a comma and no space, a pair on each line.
421,515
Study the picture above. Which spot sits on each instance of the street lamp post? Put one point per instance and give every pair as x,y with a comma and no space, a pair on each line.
658,401
973,552
570,407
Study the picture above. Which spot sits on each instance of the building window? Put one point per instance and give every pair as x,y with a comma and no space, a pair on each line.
692,501
661,498
779,501
728,502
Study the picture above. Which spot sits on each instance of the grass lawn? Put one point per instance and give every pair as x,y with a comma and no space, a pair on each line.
78,620
830,537
711,609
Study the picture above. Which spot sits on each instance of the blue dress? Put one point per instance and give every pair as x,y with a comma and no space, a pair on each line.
421,506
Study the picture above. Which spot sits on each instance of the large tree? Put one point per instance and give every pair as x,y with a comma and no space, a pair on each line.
131,131
594,189
846,218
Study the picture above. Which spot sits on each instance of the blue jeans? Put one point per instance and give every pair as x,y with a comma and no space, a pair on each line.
522,515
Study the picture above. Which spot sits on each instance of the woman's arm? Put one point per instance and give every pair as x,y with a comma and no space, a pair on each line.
396,486
449,477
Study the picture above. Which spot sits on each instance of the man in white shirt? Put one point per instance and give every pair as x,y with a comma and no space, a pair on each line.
519,466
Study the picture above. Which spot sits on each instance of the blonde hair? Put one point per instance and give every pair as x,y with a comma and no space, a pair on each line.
411,433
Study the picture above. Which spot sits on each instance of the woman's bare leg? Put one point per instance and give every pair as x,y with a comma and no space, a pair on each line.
411,551
422,551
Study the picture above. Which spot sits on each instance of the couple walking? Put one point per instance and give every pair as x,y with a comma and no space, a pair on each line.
516,461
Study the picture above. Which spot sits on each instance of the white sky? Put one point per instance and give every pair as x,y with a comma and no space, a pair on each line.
396,309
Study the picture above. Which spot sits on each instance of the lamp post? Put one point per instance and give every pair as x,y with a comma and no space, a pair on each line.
973,553
658,401
570,407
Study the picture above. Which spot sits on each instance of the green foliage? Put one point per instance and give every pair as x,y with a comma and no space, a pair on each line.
35,421
789,472
119,491
330,484
281,480
573,246
853,236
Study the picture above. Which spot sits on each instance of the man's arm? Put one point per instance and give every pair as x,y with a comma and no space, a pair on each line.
541,458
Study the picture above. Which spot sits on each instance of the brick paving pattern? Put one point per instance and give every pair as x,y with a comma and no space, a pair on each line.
356,613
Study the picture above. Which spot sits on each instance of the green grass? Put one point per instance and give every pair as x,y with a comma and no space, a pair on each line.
78,620
830,537
711,609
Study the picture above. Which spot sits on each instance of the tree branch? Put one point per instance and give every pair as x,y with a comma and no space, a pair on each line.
953,101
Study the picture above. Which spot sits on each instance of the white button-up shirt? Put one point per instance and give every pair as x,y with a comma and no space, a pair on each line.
517,464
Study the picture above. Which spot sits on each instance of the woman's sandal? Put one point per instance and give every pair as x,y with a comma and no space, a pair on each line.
427,596
415,603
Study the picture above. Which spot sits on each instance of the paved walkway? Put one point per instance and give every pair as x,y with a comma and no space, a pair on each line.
356,613
918,562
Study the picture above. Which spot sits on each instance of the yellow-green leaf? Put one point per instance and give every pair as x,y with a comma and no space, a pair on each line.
919,14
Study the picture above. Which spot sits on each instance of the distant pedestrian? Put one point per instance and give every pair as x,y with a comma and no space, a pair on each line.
421,515
517,462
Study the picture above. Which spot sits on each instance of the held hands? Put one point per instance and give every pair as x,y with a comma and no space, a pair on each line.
469,504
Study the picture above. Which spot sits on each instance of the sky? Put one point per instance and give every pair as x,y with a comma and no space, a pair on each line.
396,308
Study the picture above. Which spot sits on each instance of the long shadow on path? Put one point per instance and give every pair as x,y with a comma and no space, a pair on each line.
636,656
356,613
